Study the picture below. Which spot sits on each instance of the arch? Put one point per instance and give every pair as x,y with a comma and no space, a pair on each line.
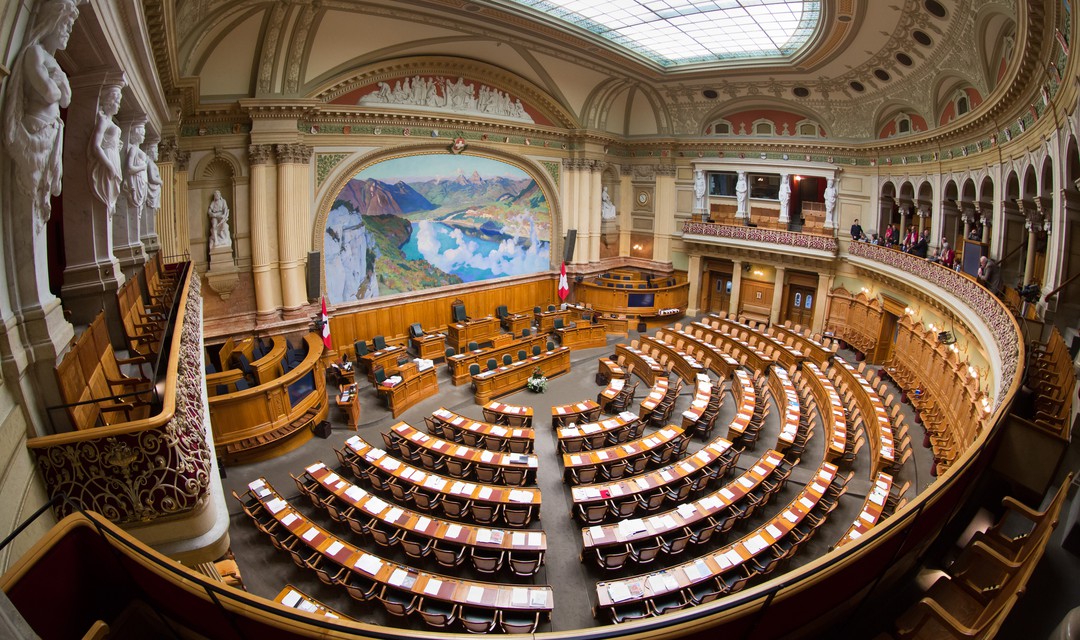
995,41
218,165
429,275
888,119
1072,165
779,111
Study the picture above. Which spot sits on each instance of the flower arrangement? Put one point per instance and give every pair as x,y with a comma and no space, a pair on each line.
537,383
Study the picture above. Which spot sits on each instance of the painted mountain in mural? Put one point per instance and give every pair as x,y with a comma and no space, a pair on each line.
393,229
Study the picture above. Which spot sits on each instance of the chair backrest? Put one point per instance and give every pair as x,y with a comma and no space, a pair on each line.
616,560
379,343
361,348
457,311
492,364
536,310
500,311
415,330
526,332
380,375
449,351
551,307
507,358
474,369
522,354
558,323
550,345
536,349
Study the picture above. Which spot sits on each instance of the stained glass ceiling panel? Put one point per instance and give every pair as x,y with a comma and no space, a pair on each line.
679,32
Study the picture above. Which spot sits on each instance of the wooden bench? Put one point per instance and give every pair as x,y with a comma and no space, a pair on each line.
144,325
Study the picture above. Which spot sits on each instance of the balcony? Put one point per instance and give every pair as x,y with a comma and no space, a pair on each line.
823,247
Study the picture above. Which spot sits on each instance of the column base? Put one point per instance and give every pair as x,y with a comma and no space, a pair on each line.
223,274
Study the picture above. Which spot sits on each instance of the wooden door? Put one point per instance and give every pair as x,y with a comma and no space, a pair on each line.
719,291
800,306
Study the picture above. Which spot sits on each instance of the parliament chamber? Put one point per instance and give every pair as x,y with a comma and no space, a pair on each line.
563,319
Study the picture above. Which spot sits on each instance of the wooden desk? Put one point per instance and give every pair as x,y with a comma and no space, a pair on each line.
349,401
787,402
618,325
386,358
610,368
460,533
786,355
644,365
414,386
684,364
686,514
545,320
583,336
509,378
524,462
879,426
478,330
610,392
746,395
697,570
508,414
516,322
703,396
873,506
658,392
626,451
831,410
676,472
494,433
584,411
430,346
449,487
813,349
422,583
739,348
294,598
459,363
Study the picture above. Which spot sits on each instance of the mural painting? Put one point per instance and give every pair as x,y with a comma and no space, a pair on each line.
416,222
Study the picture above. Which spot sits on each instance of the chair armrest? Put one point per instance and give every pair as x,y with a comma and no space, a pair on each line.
1012,504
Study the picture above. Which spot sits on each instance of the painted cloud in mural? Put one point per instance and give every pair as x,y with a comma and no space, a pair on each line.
417,222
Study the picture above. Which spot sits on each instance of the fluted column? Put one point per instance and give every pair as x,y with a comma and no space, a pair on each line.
180,184
626,196
736,287
166,215
777,295
664,207
570,189
596,188
583,207
693,273
294,200
264,245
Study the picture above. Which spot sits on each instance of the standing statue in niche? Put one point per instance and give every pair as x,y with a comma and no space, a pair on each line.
607,207
699,191
135,167
785,197
830,202
219,222
153,178
740,194
37,90
104,149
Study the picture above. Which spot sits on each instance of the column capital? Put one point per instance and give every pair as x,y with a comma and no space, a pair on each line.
260,154
294,153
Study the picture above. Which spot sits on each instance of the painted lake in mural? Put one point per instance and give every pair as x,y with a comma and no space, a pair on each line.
412,223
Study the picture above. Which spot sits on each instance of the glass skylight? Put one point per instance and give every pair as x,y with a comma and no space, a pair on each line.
677,32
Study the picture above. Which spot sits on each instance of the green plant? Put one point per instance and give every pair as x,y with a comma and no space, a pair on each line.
537,383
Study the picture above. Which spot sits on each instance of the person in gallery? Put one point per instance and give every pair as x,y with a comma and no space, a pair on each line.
922,245
857,231
989,274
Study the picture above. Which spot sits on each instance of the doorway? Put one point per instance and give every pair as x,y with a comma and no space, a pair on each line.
800,307
719,291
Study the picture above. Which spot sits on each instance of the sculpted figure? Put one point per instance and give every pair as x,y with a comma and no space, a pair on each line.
37,90
784,196
219,222
607,207
104,149
740,192
135,167
830,197
153,178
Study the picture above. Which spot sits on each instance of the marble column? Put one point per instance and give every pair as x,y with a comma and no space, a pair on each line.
1032,241
693,273
264,248
736,287
824,284
183,222
626,196
777,295
294,226
571,196
166,214
903,222
664,218
92,275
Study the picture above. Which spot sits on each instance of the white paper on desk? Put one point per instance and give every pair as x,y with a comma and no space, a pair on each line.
422,523
669,522
393,514
289,519
262,492
733,557
876,498
469,488
389,464
275,505
374,505
868,518
590,427
817,488
418,475
483,535
518,539
368,564
457,487
591,492
453,531
755,543
310,534
485,493
476,594
642,483
487,456
533,462
331,478
746,482
291,599
790,517
354,493
432,587
711,502
666,475
806,503
656,583
691,571
618,592
686,510
499,431
535,539
435,482
397,578
773,531
519,596
603,455
520,495
312,469
575,459
727,493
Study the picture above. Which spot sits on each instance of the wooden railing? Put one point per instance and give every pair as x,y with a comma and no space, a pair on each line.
145,469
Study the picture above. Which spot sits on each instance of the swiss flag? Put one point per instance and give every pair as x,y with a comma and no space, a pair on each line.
564,286
325,325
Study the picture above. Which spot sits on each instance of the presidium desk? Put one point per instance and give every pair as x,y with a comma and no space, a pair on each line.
503,380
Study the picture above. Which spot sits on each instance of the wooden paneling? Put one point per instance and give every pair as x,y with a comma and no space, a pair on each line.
433,313
855,319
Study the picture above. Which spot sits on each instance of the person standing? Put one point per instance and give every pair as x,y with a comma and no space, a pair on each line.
990,274
857,232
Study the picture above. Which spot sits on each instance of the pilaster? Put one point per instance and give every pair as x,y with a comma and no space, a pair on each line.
294,201
264,249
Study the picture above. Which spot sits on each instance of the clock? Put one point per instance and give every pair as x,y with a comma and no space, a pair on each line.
643,198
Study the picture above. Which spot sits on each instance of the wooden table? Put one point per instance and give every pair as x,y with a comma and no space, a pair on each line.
425,525
386,358
684,364
872,509
831,410
814,350
630,450
449,487
700,569
509,378
656,395
459,363
739,348
430,346
415,385
545,320
610,392
294,598
478,330
521,461
644,365
411,580
349,401
720,362
746,396
618,325
878,424
589,430
498,412
703,395
584,411
686,514
610,368
583,336
787,402
655,479
786,355
491,432
516,322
